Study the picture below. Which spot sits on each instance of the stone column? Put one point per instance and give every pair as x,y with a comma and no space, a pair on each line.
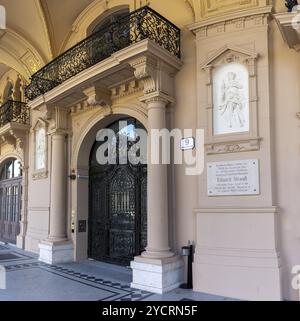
158,236
22,146
24,201
58,189
57,248
158,269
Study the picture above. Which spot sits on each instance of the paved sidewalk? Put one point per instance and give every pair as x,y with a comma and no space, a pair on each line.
27,279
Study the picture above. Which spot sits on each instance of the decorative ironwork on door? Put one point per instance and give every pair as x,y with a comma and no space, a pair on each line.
10,200
118,204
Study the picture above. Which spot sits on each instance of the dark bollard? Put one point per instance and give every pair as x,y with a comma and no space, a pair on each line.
189,252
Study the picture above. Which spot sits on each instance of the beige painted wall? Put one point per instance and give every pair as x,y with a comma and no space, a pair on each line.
38,194
286,130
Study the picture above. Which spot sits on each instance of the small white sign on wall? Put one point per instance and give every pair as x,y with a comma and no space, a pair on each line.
187,143
232,178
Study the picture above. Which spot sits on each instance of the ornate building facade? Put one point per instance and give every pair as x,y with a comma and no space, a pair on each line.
71,68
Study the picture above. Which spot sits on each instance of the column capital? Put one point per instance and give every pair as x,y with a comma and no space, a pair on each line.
157,97
56,117
59,132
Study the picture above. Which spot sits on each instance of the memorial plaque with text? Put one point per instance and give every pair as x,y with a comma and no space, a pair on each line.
233,178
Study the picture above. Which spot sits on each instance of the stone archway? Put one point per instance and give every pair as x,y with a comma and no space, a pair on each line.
22,157
10,199
80,165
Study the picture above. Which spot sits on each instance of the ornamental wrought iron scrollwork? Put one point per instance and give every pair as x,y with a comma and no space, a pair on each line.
14,111
290,4
122,202
118,204
143,210
144,23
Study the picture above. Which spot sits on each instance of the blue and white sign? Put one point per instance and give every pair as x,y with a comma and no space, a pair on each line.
187,143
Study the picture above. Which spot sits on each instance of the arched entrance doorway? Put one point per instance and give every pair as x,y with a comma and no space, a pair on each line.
10,200
117,201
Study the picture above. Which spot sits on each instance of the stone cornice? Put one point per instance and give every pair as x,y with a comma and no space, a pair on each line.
291,34
14,134
239,210
195,27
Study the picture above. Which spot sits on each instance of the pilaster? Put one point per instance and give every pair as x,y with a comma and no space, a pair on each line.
57,248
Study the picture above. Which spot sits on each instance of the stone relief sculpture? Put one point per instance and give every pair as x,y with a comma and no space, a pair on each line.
231,102
40,148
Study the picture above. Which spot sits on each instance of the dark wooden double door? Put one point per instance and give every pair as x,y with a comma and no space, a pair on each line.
10,207
118,207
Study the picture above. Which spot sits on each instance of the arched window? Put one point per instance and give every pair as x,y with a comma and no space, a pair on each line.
110,33
8,92
107,20
10,169
10,200
18,90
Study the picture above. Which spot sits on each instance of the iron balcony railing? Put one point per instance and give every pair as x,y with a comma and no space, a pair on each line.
144,23
14,111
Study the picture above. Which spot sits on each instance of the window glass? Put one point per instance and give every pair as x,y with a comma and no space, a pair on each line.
10,169
17,169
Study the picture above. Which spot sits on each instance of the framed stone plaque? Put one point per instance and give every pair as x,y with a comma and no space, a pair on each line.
232,178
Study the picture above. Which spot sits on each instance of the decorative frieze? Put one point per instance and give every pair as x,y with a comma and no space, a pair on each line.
127,89
40,175
231,22
233,147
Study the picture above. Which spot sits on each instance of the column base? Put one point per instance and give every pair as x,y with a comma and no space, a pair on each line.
55,253
157,275
2,278
21,236
21,242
